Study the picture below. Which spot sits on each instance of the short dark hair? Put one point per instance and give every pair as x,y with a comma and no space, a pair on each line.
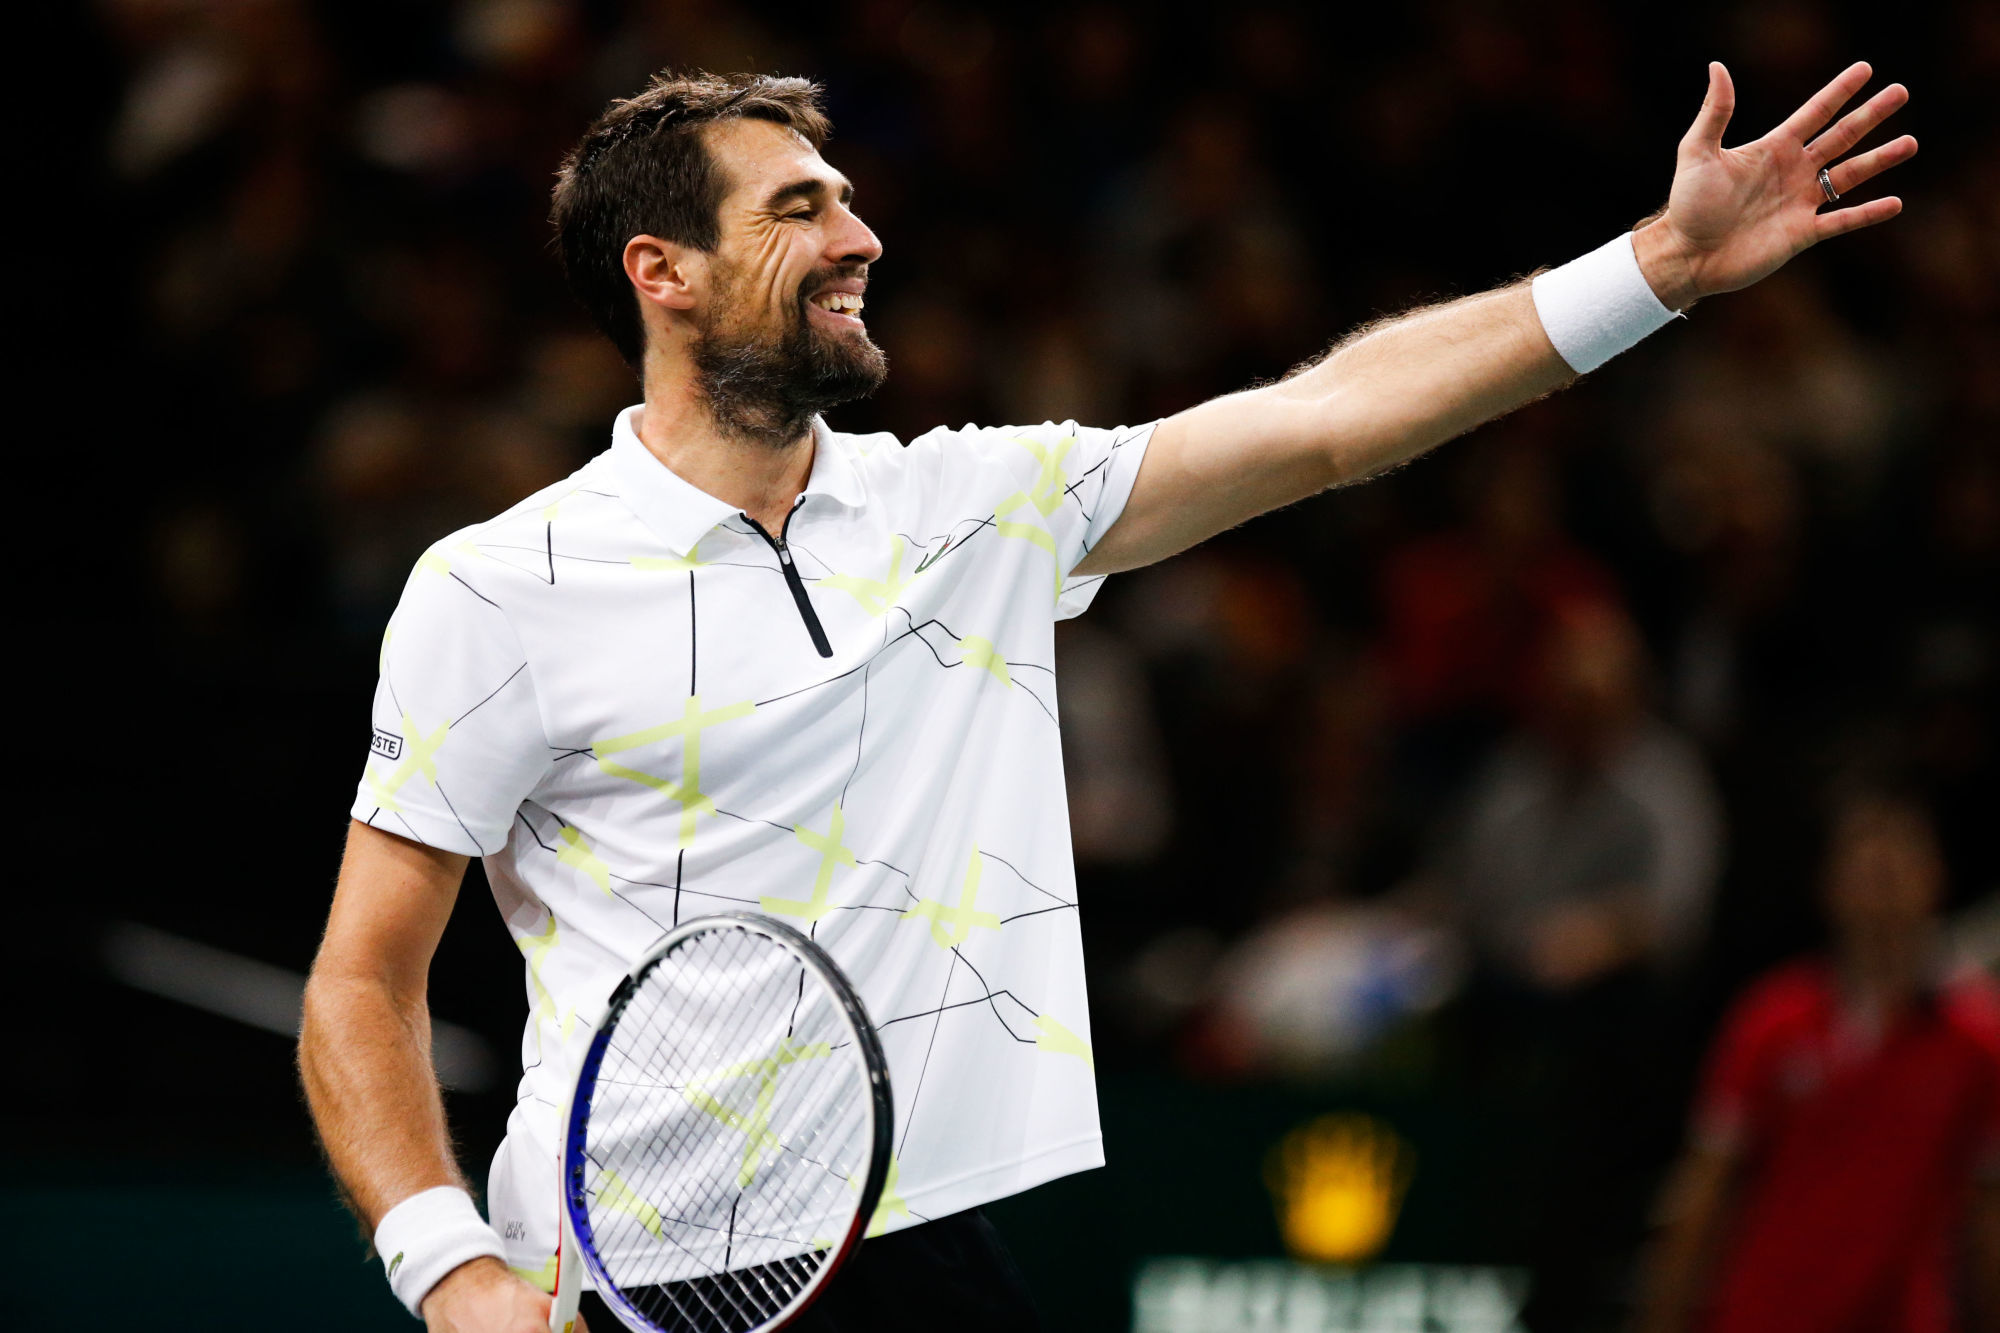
643,169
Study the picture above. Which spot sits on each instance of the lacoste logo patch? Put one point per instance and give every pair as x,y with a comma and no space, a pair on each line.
387,744
394,1264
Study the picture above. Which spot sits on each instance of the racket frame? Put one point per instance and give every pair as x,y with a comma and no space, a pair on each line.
576,1229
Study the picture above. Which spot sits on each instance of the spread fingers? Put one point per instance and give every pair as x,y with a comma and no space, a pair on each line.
1853,172
1853,126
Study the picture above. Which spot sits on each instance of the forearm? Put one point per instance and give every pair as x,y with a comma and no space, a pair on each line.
1677,1269
364,1057
1407,385
1382,396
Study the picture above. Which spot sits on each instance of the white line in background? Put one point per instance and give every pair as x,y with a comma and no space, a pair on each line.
261,994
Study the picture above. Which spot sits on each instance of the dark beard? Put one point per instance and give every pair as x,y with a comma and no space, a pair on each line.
768,392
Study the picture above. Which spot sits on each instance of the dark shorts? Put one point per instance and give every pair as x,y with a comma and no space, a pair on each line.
953,1274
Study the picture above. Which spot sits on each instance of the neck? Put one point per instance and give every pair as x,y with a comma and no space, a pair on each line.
1888,971
759,478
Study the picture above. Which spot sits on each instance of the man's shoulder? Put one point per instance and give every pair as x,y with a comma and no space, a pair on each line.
1790,998
592,487
970,437
525,544
967,462
868,444
1970,1003
947,470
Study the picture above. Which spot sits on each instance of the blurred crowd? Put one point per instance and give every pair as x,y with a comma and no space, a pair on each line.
1499,775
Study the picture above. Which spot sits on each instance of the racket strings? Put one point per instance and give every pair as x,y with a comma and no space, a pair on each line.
729,1125
667,1061
664,1057
793,1145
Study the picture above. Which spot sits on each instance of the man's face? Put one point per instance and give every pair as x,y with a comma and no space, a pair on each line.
781,336
1884,873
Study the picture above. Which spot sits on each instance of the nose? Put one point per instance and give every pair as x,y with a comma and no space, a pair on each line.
850,241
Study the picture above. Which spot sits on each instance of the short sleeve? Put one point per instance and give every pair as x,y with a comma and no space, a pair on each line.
1076,482
458,741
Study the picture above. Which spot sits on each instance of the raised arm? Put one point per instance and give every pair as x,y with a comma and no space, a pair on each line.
1397,388
365,1059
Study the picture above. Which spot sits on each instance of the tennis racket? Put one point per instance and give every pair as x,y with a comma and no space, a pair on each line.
727,1139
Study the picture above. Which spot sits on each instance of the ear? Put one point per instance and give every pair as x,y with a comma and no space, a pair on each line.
663,272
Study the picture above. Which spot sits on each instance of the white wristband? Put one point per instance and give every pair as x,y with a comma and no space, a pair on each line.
426,1236
1595,307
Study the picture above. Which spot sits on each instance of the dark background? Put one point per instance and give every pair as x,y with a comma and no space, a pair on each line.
291,315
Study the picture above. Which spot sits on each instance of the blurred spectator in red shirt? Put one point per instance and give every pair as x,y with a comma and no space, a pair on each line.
1845,1170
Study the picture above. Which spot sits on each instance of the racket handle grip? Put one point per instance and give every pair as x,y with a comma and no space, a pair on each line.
569,1261
569,1283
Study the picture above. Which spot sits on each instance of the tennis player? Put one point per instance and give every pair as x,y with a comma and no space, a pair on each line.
741,659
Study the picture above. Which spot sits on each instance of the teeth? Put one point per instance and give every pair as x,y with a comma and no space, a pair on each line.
845,302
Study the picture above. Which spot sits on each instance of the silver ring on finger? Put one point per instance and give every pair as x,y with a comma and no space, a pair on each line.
1826,186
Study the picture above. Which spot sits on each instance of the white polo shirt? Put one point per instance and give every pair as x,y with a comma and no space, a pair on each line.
613,695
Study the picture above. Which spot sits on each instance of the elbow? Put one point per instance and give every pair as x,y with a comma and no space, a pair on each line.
327,1000
339,1001
1356,439
1347,455
1365,443
318,1027
1340,464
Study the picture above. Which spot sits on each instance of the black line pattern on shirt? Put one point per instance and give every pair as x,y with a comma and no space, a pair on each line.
1025,880
388,656
1060,907
439,785
780,698
910,1116
858,860
974,1002
607,560
991,994
916,628
860,733
1089,519
556,852
475,592
489,696
949,536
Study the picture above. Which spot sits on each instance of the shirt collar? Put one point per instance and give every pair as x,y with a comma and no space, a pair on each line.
681,514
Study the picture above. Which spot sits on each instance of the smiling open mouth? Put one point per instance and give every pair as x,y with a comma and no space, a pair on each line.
840,303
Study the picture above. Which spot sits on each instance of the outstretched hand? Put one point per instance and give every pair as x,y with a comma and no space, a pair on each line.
1737,214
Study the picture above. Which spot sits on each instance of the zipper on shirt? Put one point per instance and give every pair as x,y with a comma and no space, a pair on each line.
792,579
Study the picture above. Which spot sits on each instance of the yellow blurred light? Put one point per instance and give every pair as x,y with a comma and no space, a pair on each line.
1338,1182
